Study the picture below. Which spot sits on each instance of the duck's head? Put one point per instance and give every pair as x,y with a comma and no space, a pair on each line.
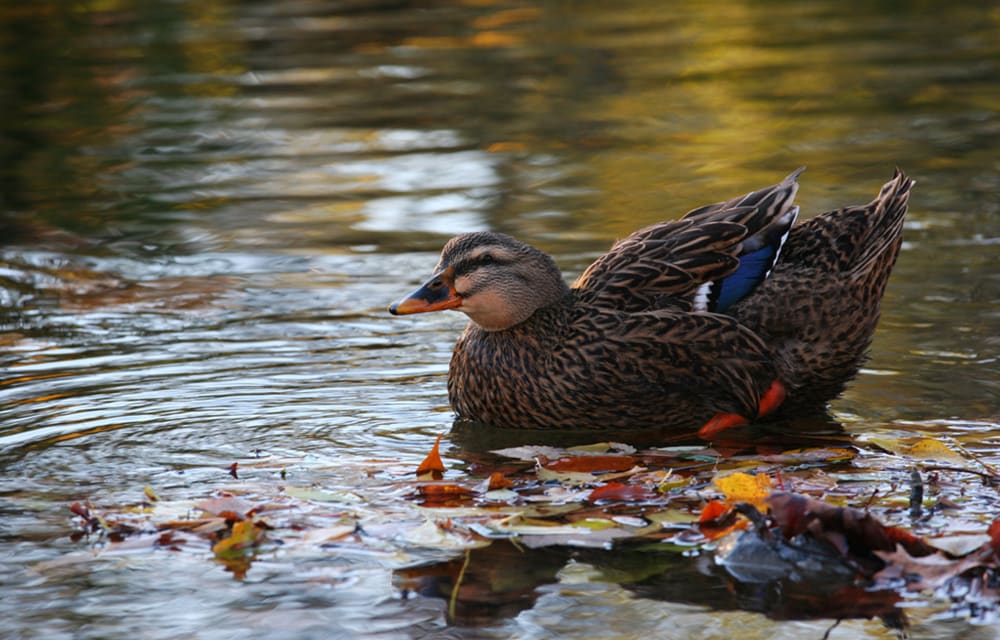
494,279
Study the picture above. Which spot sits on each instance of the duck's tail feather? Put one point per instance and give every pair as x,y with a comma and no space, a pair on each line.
882,237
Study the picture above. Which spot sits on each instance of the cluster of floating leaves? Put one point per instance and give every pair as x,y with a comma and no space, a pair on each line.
807,515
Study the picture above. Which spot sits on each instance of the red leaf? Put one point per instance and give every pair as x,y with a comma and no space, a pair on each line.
432,464
994,532
713,511
621,492
80,510
591,464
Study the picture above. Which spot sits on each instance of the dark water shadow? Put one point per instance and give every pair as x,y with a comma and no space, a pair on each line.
820,430
495,583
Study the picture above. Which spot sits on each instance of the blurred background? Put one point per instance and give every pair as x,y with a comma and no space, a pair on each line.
206,206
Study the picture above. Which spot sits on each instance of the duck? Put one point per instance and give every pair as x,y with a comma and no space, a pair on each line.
733,314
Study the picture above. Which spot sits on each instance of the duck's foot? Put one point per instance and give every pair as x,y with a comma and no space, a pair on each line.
771,399
769,403
719,423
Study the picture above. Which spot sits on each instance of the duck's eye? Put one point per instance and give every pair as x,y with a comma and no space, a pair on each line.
486,258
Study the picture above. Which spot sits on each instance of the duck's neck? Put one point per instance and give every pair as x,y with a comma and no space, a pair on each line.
546,320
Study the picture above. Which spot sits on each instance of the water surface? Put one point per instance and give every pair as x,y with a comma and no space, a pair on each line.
206,206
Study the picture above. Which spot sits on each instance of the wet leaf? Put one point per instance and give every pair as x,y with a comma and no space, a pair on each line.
329,534
604,447
150,494
498,481
228,506
934,449
595,524
530,452
322,495
616,491
959,545
245,536
444,489
432,464
591,464
994,533
433,534
743,487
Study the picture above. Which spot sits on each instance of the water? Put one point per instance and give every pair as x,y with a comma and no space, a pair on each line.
206,207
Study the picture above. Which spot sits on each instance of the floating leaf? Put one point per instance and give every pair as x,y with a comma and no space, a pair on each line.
330,534
591,464
604,447
245,536
994,534
227,506
743,487
621,492
432,464
530,452
933,449
150,494
498,481
322,495
595,524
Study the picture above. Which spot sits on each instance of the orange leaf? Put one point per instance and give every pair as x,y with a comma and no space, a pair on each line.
712,511
432,464
498,481
591,464
444,490
994,532
717,519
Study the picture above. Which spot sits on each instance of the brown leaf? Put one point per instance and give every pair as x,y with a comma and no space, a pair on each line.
926,572
432,464
591,464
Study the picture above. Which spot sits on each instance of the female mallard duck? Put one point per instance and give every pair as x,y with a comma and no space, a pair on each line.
710,321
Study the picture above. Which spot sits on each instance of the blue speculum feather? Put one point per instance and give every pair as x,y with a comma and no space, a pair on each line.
753,268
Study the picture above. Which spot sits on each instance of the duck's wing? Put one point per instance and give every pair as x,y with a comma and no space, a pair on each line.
694,365
710,259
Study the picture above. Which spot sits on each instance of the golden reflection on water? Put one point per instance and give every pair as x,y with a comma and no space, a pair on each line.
216,199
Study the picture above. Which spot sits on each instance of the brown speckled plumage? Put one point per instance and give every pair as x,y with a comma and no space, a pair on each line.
632,345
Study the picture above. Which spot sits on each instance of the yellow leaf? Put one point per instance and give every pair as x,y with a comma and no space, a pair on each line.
245,535
932,449
743,487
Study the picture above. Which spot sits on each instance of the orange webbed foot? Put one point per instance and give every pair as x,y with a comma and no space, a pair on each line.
720,422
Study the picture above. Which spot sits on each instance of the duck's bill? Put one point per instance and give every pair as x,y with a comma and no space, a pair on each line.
434,295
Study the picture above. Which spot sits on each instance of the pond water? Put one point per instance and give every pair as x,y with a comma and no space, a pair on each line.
205,208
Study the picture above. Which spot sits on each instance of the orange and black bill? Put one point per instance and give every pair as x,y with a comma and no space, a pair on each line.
436,294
